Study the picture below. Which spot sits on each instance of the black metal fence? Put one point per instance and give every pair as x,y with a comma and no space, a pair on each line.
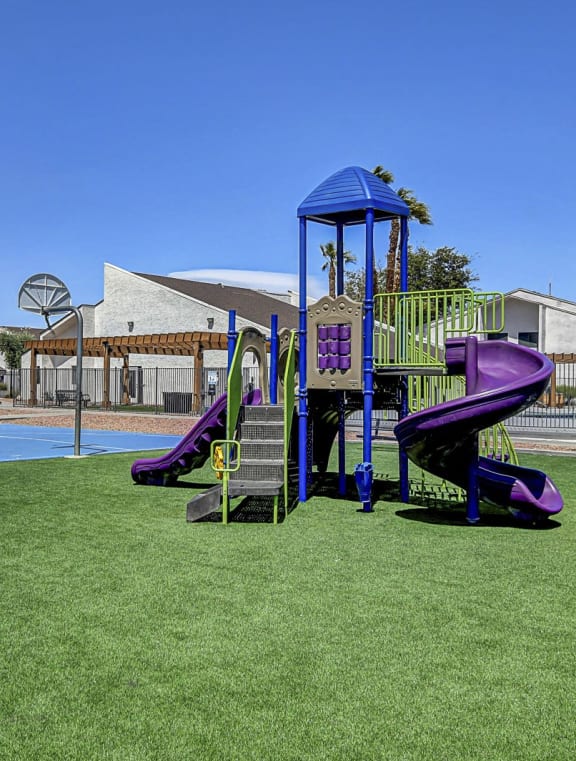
170,390
149,389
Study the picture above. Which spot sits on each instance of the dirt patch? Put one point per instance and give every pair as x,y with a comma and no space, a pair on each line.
103,421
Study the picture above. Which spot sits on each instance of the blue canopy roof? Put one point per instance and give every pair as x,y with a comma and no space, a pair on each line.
345,196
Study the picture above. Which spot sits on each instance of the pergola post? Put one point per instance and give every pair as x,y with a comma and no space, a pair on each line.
106,379
126,379
198,373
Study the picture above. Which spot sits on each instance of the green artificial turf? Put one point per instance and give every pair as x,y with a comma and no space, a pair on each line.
126,633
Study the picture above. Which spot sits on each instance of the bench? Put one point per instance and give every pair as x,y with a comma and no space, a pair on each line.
67,396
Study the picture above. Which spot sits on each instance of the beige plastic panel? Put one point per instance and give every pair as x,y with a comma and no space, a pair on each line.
334,344
255,341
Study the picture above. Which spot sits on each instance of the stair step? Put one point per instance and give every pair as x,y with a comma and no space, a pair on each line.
259,471
258,431
262,450
264,413
252,488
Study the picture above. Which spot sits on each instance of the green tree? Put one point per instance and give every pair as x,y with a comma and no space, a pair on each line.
355,282
418,211
12,347
330,255
442,269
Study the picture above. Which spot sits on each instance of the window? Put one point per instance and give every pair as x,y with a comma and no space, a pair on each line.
497,336
528,339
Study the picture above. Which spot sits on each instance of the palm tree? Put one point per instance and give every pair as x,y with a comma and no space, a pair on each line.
386,176
418,211
330,254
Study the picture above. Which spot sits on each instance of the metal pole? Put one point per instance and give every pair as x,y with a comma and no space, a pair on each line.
340,394
472,491
79,356
274,359
79,360
368,336
368,375
302,369
232,336
339,259
402,456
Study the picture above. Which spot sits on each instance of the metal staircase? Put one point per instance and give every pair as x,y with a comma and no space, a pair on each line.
261,471
261,433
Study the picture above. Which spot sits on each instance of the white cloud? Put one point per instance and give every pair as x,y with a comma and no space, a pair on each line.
274,282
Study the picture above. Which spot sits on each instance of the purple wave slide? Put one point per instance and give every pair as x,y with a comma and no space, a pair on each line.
194,449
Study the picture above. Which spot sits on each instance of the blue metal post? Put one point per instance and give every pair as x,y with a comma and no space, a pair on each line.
302,370
472,496
341,444
232,336
339,259
472,493
274,359
402,456
368,368
403,253
340,394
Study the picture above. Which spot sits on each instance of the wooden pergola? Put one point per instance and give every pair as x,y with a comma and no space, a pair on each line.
552,398
121,347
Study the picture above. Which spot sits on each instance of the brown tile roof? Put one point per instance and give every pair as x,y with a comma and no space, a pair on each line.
254,306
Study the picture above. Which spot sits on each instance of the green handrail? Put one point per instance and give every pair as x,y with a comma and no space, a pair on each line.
289,402
234,389
230,449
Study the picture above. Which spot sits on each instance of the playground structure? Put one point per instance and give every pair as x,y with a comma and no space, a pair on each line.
417,353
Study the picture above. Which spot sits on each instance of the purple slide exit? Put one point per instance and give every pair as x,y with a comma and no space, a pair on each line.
194,449
502,379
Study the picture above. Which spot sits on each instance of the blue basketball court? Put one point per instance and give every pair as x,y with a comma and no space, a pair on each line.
34,442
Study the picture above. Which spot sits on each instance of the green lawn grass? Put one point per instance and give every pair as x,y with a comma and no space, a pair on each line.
126,633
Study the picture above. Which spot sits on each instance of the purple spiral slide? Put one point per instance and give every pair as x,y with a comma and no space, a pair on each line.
193,450
502,379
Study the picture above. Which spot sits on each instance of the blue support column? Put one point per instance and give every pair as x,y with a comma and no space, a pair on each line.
339,259
274,359
368,362
302,370
403,253
472,496
402,456
472,492
340,394
232,336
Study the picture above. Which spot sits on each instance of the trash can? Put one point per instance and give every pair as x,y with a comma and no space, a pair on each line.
177,402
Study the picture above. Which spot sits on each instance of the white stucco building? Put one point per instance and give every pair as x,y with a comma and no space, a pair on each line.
138,308
543,322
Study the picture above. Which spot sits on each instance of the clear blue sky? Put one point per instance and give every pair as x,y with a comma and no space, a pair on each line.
172,136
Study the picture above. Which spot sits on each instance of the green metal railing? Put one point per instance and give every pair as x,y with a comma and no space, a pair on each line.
411,328
230,463
289,402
